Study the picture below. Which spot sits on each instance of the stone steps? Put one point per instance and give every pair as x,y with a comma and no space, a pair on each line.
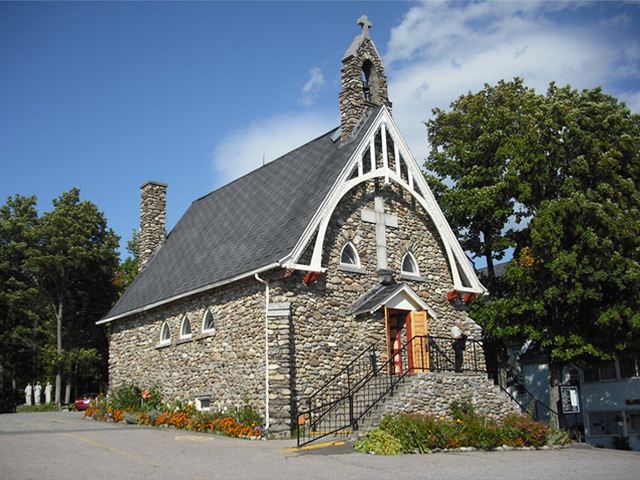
430,393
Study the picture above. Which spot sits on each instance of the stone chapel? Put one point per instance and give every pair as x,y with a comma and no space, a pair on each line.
269,286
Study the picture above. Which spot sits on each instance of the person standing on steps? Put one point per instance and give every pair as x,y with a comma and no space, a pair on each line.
458,344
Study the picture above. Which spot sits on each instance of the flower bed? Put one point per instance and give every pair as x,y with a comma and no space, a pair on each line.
405,433
148,410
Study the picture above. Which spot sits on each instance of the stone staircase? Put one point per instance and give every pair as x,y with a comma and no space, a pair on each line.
425,393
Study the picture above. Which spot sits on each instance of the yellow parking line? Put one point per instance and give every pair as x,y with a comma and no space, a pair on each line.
29,423
313,447
102,445
54,420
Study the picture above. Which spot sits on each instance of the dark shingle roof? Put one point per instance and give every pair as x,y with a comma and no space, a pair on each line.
248,224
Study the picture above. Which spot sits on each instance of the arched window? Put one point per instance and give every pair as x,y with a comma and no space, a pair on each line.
349,255
207,323
367,79
185,328
409,265
165,334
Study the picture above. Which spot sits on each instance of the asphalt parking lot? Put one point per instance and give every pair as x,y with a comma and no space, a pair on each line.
65,446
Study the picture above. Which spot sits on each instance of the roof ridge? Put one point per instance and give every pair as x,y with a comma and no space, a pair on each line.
268,164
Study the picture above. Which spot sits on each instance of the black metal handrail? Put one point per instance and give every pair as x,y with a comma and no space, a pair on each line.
337,409
526,400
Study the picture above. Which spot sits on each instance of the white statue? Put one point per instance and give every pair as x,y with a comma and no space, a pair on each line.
28,391
47,393
37,393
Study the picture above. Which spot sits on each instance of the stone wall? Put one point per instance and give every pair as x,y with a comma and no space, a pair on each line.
326,336
226,364
433,394
153,230
353,103
311,334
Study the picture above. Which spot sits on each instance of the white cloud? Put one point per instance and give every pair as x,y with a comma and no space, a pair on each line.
312,87
242,151
442,50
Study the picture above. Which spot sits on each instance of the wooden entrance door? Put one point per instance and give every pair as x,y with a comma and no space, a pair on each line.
415,323
394,323
417,350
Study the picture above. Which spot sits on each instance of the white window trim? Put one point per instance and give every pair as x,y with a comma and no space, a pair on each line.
351,267
165,341
208,314
183,335
413,260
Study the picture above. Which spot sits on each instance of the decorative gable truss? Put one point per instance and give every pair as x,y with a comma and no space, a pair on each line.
372,159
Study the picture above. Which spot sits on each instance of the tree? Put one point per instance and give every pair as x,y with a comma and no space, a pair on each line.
568,163
129,267
478,150
23,317
74,263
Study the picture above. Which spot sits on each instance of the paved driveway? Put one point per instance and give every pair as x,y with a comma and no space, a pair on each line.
62,445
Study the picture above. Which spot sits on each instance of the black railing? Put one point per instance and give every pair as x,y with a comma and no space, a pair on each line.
339,406
528,402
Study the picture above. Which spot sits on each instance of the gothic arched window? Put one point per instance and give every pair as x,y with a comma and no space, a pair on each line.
208,324
349,255
367,68
185,328
165,334
409,265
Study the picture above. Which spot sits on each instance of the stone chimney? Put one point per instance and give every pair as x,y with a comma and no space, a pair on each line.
153,224
364,83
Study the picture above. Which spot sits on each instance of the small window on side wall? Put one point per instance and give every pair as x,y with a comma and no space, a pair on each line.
208,324
349,255
185,328
165,334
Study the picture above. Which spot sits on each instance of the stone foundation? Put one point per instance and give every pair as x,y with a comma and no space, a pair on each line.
433,394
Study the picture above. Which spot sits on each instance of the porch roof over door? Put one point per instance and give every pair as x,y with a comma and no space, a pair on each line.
397,296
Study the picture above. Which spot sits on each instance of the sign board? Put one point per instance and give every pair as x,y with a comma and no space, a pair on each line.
570,399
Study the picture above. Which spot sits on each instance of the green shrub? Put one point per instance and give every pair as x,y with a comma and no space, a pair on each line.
416,433
131,397
424,433
126,397
43,407
462,409
379,442
247,414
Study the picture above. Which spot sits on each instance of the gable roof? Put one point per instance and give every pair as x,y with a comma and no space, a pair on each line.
393,296
244,227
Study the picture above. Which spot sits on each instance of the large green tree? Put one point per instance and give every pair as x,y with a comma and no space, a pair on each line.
574,285
23,315
129,267
478,150
74,263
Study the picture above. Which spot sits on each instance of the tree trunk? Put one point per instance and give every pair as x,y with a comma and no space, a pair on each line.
555,380
58,312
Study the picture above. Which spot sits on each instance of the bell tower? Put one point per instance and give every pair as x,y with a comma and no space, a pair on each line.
364,83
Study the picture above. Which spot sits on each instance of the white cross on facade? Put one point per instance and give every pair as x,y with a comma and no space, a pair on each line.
381,220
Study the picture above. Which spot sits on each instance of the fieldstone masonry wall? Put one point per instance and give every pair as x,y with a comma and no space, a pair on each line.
153,230
353,103
280,339
433,393
311,334
226,363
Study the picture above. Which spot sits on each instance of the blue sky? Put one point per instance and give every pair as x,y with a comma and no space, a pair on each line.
104,96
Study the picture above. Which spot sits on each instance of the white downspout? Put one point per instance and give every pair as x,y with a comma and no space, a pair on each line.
266,350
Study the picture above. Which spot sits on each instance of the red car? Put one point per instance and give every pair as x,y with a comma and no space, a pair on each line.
85,400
